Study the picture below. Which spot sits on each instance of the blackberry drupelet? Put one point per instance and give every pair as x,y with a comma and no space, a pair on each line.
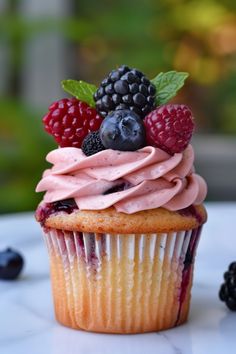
227,291
92,144
125,88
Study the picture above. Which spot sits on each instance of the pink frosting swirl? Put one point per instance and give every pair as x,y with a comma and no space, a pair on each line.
149,178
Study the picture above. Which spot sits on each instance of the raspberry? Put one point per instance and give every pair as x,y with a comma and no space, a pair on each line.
125,88
70,121
169,127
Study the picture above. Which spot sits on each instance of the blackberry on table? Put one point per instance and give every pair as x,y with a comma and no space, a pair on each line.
92,144
227,291
125,88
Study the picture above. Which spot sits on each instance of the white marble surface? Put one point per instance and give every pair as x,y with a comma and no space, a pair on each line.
27,322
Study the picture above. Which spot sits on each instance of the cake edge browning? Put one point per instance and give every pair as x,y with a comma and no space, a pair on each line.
111,221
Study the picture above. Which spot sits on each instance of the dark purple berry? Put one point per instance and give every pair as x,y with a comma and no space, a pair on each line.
231,281
126,85
114,75
127,99
123,69
226,275
45,210
129,77
100,92
144,80
143,89
150,100
67,205
133,88
11,264
96,96
151,89
231,303
109,89
92,144
122,130
99,104
105,82
122,106
121,87
222,293
139,99
137,73
145,110
117,99
136,110
107,101
232,266
227,291
118,188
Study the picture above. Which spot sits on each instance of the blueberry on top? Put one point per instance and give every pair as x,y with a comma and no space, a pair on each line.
125,88
123,130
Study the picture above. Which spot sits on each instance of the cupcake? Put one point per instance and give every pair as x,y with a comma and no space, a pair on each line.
122,211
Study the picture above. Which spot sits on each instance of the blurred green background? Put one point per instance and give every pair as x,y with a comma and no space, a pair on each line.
43,42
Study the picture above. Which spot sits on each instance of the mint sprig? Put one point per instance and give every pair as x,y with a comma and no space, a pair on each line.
81,90
167,84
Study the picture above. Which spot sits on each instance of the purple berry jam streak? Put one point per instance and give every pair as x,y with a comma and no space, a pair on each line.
187,270
118,188
68,205
191,211
45,210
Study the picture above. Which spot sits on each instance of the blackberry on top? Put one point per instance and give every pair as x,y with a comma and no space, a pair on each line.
126,112
125,88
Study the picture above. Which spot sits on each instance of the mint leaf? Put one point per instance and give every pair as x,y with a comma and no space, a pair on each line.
81,90
167,84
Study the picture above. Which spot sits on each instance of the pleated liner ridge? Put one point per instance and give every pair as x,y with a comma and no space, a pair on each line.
121,283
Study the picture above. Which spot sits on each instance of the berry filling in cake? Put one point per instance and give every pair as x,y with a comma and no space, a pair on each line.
69,205
186,273
47,209
191,211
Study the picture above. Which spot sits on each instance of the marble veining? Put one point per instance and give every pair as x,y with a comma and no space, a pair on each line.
174,348
27,323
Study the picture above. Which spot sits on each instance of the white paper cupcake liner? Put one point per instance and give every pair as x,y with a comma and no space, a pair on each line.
122,283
